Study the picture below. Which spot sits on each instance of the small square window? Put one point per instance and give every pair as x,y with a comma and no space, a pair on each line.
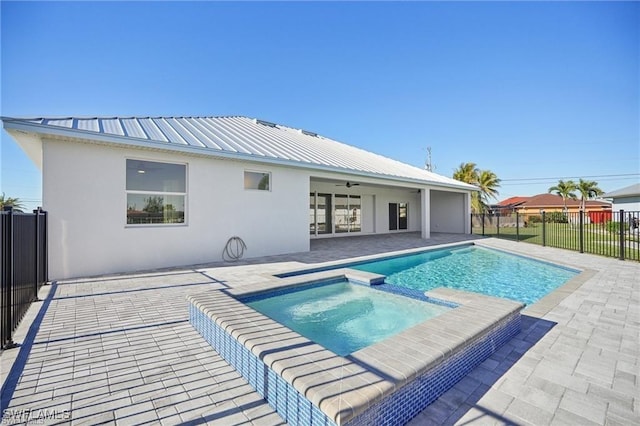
257,180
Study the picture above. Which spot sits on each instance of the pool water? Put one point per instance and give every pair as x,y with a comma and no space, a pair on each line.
475,269
344,317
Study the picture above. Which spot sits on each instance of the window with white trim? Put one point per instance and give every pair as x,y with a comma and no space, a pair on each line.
398,216
257,180
156,192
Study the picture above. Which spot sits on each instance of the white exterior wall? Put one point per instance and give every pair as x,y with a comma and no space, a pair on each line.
84,193
626,203
449,212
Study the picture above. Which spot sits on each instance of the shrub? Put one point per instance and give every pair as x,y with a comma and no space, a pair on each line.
556,217
613,226
535,219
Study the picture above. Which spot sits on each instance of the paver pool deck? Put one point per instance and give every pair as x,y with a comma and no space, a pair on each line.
120,349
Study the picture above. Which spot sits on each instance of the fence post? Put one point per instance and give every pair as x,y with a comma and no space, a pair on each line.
471,227
517,227
621,235
483,224
7,280
498,225
581,224
45,247
544,236
36,215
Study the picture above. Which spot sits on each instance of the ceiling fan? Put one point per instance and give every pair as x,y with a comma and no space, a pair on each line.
348,184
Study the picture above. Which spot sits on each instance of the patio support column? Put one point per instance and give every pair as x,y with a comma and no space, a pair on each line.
467,209
425,212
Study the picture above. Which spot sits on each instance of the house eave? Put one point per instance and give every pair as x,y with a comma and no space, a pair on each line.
128,141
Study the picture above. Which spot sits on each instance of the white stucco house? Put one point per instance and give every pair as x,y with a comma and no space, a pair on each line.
627,198
128,194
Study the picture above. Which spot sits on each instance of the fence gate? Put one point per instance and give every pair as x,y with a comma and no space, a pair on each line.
23,253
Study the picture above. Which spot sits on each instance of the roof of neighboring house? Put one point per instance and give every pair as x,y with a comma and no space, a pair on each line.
512,201
627,191
239,138
552,200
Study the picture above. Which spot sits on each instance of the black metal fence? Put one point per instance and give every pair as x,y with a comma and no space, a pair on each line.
23,253
613,234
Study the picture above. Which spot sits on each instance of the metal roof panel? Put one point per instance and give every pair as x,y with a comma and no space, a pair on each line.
241,136
152,130
112,126
133,128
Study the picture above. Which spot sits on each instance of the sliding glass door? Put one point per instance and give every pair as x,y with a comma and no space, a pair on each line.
347,214
355,214
320,214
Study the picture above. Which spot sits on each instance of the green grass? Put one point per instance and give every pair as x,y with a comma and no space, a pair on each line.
597,239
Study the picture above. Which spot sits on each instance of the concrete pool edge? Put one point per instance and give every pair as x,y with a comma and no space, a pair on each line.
554,298
344,388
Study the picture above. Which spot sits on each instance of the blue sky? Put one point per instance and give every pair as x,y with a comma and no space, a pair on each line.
528,90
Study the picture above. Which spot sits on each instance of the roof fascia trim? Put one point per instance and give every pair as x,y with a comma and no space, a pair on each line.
9,123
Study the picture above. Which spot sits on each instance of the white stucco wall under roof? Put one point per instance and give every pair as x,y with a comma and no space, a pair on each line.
627,198
233,137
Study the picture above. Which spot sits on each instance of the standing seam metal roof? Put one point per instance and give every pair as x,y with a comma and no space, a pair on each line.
627,191
235,135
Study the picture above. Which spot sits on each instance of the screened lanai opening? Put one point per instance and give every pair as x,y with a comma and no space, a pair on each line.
350,208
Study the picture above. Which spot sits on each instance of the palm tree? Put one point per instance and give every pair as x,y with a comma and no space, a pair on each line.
467,172
488,182
8,201
485,180
587,189
565,190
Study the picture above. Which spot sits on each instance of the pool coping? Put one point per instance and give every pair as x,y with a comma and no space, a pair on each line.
344,387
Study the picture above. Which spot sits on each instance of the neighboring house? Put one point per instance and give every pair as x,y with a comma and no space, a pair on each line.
509,206
597,211
627,198
127,194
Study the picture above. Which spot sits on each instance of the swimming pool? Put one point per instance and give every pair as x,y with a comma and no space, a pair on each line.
471,268
388,382
344,317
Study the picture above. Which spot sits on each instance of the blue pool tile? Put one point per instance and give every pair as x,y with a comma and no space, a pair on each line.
396,409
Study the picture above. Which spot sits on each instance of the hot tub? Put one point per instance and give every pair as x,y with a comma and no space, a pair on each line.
387,382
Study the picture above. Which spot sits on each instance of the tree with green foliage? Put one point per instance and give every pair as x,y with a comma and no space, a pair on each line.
9,201
486,181
565,190
264,182
467,172
587,189
153,205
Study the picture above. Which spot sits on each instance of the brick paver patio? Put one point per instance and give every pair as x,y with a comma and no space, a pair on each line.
119,349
